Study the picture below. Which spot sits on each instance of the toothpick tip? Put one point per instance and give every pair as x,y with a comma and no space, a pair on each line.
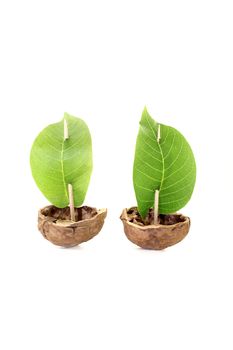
66,134
158,133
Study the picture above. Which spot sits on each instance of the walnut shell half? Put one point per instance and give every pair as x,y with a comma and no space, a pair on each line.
155,237
55,225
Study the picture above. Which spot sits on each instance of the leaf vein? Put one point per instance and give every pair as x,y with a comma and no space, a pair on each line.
149,145
144,188
165,188
146,175
176,200
174,136
174,161
148,164
179,190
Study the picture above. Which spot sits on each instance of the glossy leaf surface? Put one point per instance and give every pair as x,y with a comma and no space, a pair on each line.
56,162
167,165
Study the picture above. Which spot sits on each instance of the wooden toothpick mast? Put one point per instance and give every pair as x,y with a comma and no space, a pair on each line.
156,200
70,188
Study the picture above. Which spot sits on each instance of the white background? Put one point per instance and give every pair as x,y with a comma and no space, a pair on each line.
103,61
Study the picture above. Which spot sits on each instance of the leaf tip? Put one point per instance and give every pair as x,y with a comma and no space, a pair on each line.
145,110
145,114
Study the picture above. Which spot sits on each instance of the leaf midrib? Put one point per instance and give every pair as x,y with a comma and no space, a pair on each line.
161,152
163,165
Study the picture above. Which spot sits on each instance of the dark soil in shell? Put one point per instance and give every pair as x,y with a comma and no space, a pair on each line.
170,230
55,224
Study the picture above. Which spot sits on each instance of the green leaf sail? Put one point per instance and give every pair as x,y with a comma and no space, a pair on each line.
167,165
56,162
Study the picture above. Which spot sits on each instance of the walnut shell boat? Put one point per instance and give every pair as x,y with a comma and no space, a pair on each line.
171,229
55,225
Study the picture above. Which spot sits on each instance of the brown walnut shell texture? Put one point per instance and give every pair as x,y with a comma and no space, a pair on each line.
173,229
55,225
